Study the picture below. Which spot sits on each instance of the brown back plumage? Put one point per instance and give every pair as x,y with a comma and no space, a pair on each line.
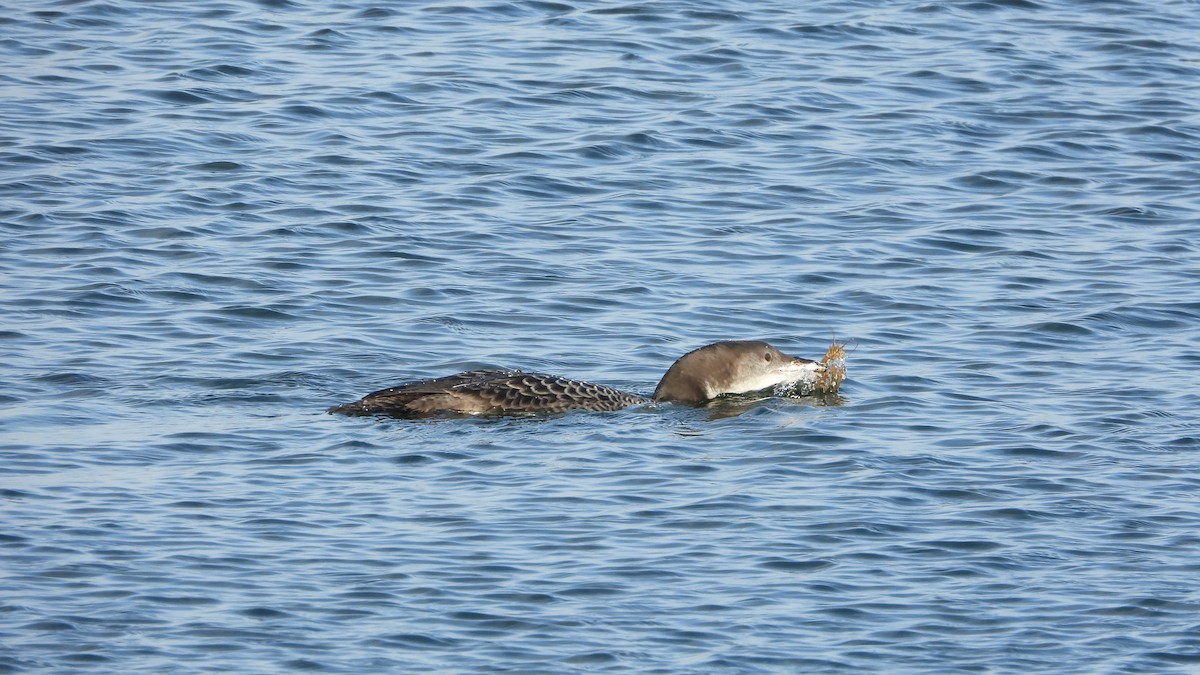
490,391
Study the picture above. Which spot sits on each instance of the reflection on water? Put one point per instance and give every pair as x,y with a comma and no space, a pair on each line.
732,406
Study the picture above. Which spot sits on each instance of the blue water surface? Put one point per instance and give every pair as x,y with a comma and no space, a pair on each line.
218,219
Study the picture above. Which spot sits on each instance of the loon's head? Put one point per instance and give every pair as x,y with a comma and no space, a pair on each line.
740,367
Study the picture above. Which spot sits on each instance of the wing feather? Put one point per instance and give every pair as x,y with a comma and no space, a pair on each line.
490,391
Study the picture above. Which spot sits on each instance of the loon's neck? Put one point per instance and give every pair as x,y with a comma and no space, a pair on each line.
696,377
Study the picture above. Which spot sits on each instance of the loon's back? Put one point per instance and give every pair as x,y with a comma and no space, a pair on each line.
490,391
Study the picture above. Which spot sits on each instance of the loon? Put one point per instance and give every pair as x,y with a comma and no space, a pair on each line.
721,368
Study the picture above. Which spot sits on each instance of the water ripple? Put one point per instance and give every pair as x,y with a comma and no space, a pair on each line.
218,221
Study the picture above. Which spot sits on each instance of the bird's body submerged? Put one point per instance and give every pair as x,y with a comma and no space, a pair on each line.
490,391
717,369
